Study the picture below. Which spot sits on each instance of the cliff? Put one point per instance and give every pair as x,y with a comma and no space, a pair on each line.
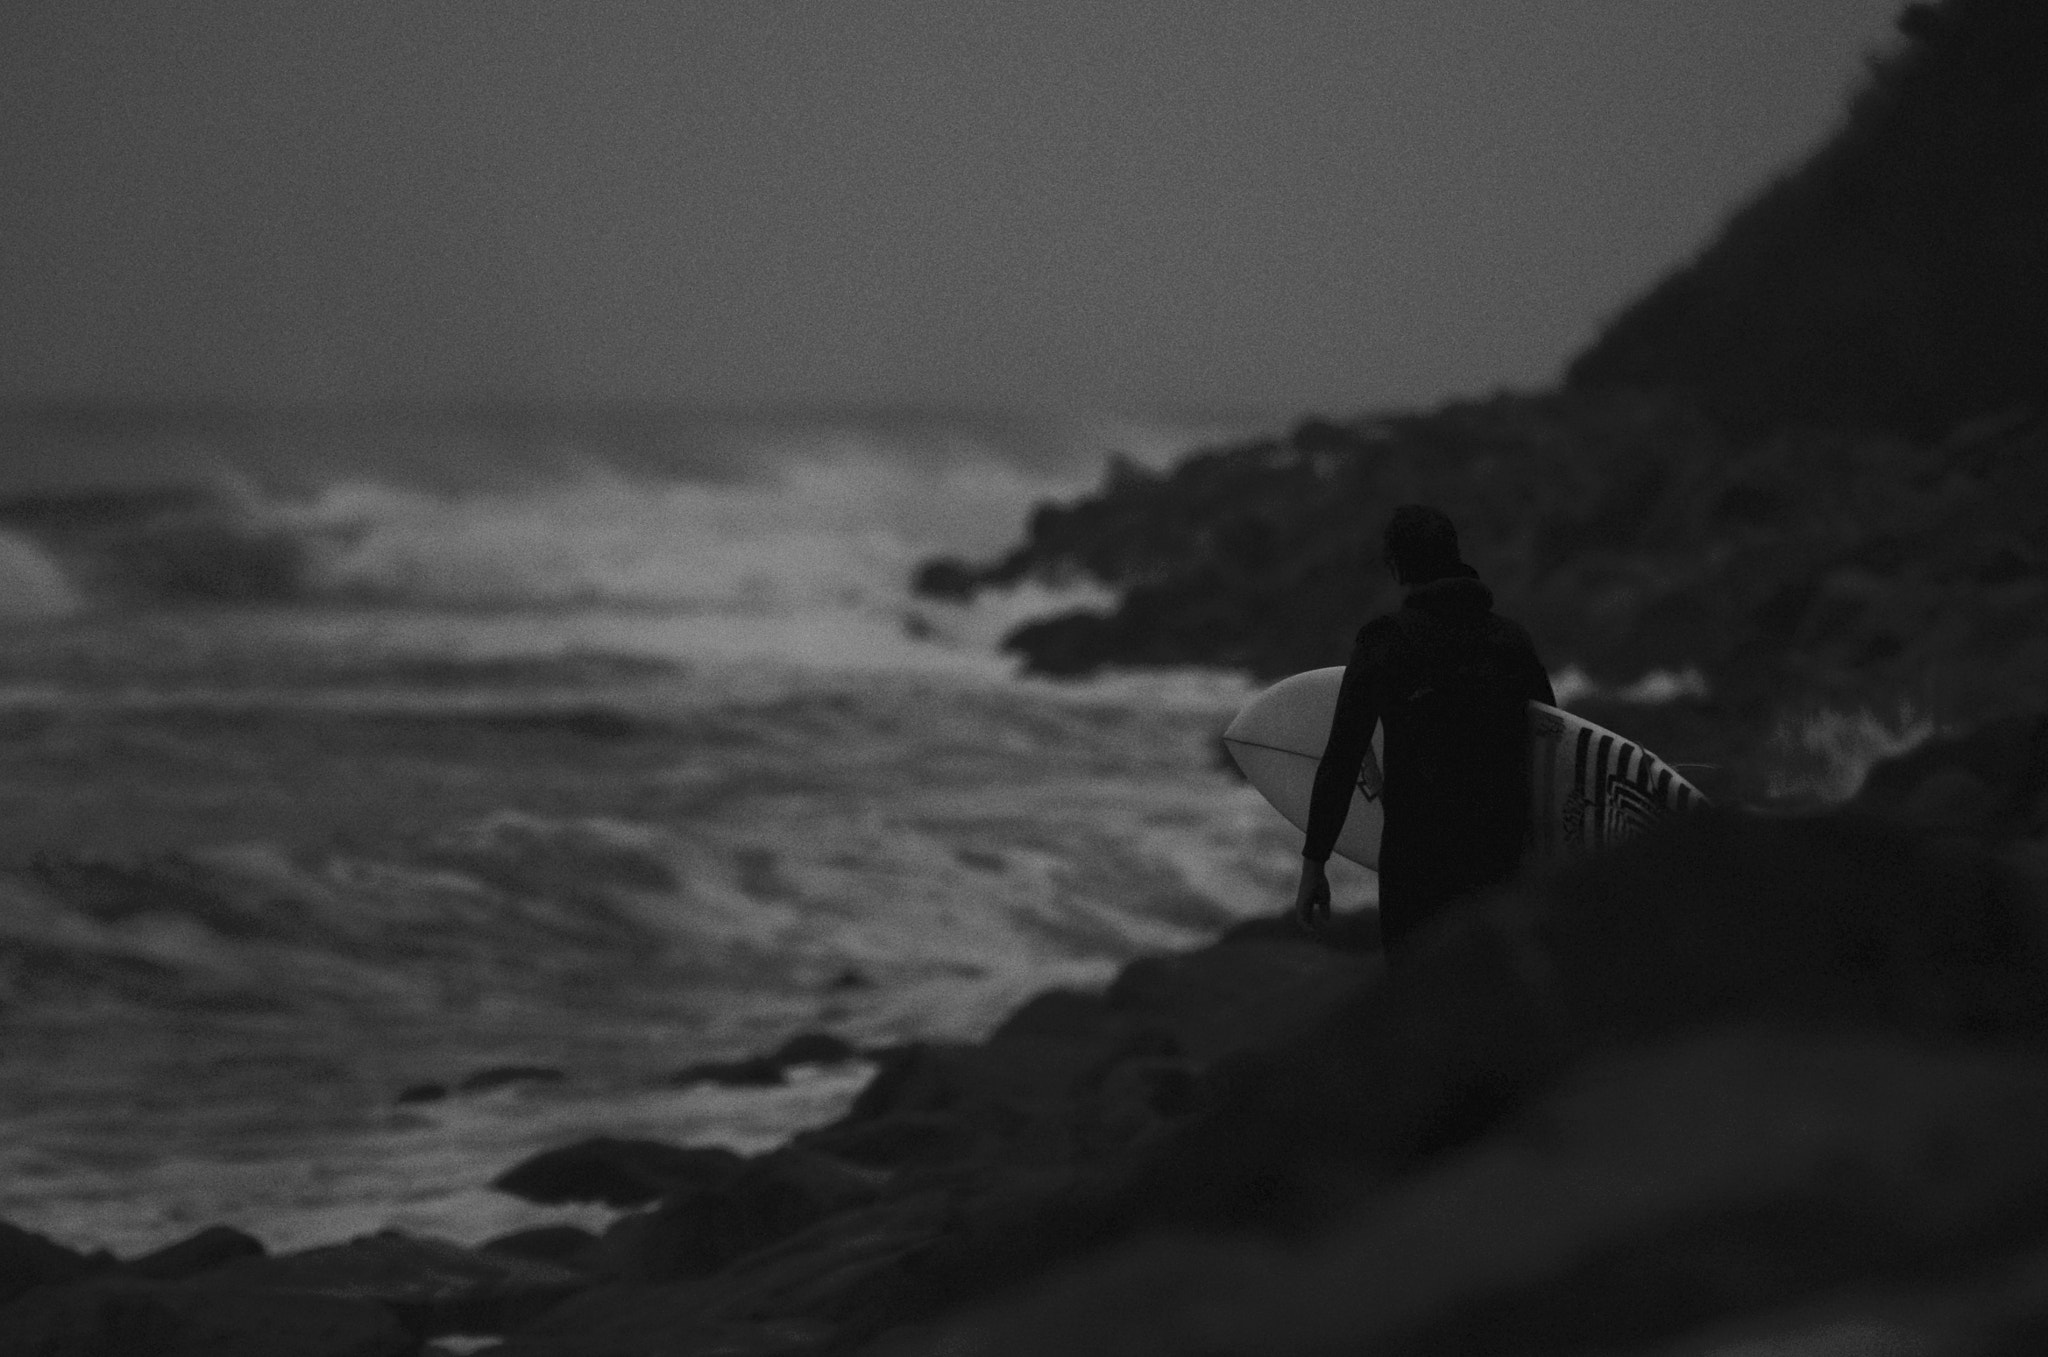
1897,280
1811,464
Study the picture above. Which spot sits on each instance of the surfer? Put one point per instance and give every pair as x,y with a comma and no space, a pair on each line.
1449,679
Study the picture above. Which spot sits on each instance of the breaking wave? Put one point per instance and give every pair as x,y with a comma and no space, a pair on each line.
1823,756
819,535
557,508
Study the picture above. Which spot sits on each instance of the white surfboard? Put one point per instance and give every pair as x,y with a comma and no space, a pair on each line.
1592,788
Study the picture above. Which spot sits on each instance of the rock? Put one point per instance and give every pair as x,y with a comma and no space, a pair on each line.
1718,918
1140,1099
1352,931
1246,993
1059,1015
655,1321
814,1048
432,1286
1654,1193
195,1254
566,1246
700,1229
130,1317
945,577
754,1072
502,1076
898,1139
1034,1060
615,1172
28,1260
910,1078
833,1270
941,1101
804,1289
1044,1088
1792,925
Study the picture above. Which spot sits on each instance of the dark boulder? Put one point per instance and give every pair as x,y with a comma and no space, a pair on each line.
947,578
804,1293
1247,993
129,1317
909,1078
1032,1063
898,1140
432,1286
195,1254
656,1321
697,1230
567,1246
28,1260
754,1072
814,1048
615,1172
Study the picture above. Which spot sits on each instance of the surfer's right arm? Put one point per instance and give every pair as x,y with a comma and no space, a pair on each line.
1358,701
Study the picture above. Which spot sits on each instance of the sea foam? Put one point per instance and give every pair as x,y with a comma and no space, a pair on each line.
31,584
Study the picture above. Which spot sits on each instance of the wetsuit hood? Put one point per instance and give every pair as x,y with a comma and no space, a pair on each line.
1457,595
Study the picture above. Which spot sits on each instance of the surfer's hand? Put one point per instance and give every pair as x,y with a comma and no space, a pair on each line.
1312,896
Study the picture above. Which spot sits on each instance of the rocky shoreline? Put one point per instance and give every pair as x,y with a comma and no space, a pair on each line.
1751,1080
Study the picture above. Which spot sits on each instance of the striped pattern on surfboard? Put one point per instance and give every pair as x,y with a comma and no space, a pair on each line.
1594,788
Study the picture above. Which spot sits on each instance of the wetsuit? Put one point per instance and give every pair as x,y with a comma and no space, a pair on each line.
1450,680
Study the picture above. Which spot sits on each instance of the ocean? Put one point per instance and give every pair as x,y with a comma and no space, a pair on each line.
349,750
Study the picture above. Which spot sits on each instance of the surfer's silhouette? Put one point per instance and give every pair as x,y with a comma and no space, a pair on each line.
1449,679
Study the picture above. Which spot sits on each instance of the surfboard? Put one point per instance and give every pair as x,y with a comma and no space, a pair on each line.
1591,787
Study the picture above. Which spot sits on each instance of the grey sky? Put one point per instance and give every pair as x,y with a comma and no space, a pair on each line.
1132,205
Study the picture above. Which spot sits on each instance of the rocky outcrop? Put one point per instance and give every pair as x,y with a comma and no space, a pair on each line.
124,1317
1896,280
210,1248
1797,570
1732,1181
216,1294
1809,464
29,1260
616,1172
1754,1074
431,1286
816,1246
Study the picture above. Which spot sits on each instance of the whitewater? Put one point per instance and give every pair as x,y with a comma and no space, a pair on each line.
346,753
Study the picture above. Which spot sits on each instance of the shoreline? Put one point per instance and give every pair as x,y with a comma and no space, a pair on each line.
1758,997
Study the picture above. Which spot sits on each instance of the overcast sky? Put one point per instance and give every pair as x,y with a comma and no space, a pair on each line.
1131,205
